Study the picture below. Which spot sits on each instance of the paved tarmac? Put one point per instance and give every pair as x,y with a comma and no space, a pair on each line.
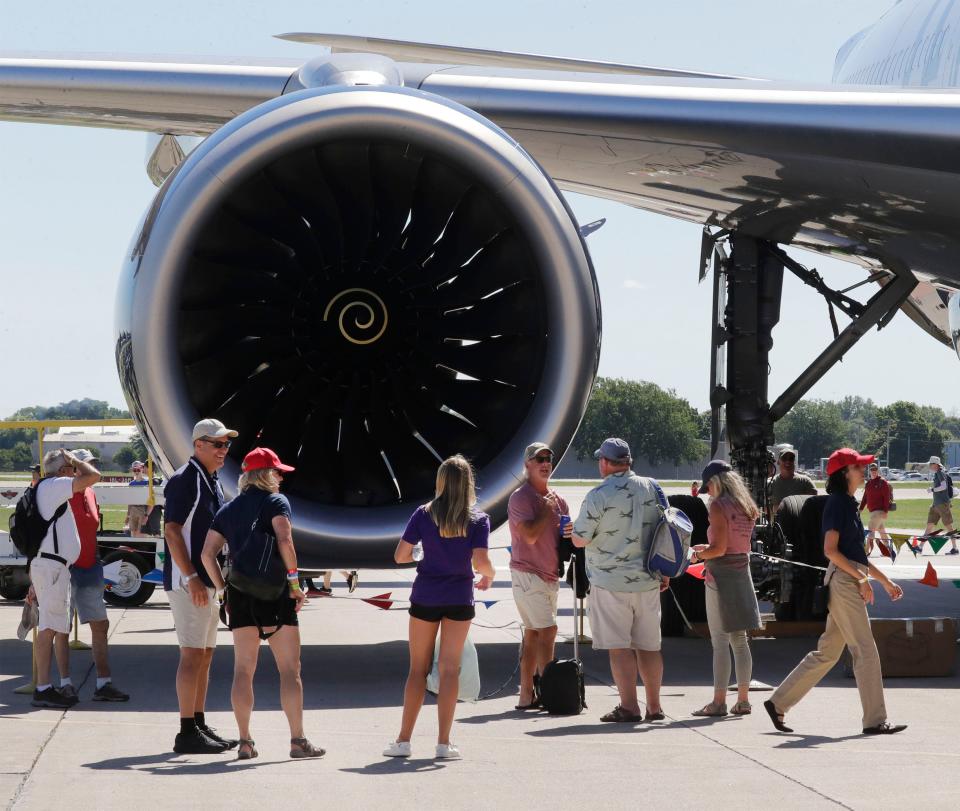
354,663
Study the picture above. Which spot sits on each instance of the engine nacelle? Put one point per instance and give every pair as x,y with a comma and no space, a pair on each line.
366,280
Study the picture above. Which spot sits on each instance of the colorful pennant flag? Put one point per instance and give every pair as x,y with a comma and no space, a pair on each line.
489,603
883,548
930,577
937,544
380,601
957,583
898,543
696,569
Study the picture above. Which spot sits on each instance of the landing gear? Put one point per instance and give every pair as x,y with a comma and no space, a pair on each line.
747,291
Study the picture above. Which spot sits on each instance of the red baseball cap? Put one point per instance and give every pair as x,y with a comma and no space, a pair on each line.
266,459
847,456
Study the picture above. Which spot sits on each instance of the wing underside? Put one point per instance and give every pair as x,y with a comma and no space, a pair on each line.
866,175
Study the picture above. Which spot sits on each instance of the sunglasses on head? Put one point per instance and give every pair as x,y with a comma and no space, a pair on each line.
543,457
218,443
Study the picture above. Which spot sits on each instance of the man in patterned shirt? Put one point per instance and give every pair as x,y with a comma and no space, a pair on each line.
616,525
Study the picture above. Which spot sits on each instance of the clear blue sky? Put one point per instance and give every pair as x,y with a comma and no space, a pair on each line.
70,198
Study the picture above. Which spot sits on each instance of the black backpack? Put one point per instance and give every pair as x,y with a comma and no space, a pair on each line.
561,684
949,485
28,527
256,568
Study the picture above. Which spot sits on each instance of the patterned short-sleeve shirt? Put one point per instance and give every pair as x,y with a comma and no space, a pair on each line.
618,518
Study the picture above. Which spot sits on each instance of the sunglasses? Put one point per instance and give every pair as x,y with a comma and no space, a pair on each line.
543,457
219,444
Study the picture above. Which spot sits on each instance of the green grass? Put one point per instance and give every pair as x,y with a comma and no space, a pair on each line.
113,517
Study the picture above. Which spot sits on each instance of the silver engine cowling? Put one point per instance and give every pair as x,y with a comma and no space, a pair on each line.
366,280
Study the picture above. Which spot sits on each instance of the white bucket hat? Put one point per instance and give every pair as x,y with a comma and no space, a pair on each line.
935,460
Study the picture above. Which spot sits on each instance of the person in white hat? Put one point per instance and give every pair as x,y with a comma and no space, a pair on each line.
192,497
940,487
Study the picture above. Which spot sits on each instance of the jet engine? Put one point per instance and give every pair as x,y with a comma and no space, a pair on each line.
367,280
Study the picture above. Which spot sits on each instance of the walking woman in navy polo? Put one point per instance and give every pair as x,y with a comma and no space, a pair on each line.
263,599
453,535
848,577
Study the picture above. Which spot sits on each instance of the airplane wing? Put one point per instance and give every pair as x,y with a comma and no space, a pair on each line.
864,174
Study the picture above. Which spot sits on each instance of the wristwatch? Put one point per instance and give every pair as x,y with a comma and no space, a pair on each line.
188,577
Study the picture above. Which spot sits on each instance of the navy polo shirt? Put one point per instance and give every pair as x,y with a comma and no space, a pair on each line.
252,510
840,513
192,498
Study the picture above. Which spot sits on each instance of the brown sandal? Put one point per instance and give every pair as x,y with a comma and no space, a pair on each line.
248,742
619,715
301,748
741,708
711,710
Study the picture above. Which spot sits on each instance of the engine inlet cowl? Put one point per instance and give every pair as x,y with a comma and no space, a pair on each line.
366,280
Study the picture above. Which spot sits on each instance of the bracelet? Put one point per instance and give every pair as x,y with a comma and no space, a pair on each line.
294,585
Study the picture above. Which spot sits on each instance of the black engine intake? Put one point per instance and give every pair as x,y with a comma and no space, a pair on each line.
367,281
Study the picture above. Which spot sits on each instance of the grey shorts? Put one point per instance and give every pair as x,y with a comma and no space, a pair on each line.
88,602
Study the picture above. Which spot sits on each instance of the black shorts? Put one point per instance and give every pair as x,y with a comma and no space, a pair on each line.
244,611
435,613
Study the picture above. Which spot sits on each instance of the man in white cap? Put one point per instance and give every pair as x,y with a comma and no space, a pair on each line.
940,509
192,497
50,569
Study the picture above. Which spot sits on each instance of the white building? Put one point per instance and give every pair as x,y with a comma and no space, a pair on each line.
104,441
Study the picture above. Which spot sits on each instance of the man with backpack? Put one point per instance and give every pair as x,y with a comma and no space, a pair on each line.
192,497
942,490
616,525
50,568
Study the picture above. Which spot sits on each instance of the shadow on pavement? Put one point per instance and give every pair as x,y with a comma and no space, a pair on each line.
398,765
170,763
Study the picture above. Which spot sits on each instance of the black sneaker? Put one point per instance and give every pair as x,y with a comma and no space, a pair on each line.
196,742
886,728
52,697
211,733
109,693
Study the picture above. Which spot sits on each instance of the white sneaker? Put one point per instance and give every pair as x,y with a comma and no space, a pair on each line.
397,749
448,751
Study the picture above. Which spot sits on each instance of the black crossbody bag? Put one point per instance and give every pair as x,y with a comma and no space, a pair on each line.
262,578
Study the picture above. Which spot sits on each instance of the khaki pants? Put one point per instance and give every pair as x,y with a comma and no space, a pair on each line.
847,624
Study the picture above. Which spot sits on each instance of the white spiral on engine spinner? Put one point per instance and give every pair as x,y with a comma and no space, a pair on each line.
359,331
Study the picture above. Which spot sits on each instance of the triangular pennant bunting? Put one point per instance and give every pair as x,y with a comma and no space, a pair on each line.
696,569
898,543
937,544
930,577
489,603
883,548
380,601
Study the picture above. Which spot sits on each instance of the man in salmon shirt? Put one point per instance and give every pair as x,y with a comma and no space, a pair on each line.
86,580
534,514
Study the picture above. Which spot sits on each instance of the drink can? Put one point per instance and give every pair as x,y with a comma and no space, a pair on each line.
564,522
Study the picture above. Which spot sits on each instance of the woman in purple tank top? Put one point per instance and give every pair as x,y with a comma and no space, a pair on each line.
732,608
452,535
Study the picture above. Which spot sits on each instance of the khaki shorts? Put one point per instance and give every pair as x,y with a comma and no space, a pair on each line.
196,627
536,599
940,512
877,521
51,582
625,619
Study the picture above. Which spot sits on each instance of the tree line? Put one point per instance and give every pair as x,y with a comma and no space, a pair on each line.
659,425
15,443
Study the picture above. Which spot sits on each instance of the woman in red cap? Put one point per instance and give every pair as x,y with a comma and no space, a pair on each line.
263,594
848,577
